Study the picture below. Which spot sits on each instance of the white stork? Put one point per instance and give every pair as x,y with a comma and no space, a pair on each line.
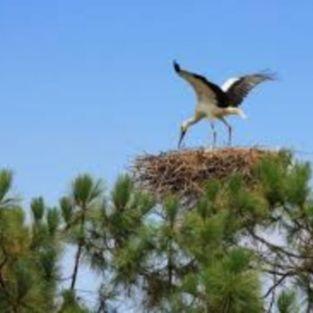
214,102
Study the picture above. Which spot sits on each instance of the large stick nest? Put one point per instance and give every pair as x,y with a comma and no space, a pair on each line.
184,173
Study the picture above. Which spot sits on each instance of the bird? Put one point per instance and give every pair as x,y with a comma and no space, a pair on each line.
216,103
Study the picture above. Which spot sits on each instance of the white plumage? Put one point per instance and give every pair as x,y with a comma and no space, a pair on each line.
229,82
214,102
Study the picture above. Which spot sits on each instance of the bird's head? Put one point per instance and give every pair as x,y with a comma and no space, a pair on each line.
183,130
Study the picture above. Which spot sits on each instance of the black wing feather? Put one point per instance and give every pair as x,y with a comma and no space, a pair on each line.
241,87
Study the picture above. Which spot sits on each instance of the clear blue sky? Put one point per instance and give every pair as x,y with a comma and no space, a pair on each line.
87,85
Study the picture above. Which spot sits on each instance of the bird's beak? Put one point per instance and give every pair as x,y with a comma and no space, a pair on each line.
182,135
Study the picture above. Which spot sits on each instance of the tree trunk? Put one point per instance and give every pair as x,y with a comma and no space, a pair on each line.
79,250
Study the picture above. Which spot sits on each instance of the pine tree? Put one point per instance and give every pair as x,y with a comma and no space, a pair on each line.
78,210
215,257
242,247
28,254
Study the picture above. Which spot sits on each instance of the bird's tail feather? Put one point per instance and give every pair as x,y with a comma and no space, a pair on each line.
242,114
235,111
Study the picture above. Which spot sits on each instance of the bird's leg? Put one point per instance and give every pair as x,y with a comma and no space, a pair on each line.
229,130
214,134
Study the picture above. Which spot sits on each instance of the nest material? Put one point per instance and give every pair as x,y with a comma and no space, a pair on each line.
184,173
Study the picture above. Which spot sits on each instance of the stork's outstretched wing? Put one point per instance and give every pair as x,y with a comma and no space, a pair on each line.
203,88
237,89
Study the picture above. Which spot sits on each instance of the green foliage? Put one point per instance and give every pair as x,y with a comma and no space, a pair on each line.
53,220
213,257
28,257
78,211
122,192
85,189
297,186
71,304
195,260
38,208
171,207
5,183
130,259
66,209
287,302
230,284
272,175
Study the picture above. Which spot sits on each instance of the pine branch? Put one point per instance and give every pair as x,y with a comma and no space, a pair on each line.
276,248
277,283
79,249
